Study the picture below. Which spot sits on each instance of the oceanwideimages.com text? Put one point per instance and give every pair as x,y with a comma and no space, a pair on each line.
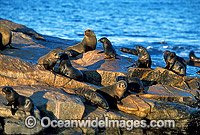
46,122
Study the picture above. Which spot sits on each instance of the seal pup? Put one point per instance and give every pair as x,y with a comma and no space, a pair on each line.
127,50
144,59
193,57
93,97
108,48
134,84
16,101
66,68
49,60
5,37
88,43
175,63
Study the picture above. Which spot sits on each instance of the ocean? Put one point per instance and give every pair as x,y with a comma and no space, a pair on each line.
126,23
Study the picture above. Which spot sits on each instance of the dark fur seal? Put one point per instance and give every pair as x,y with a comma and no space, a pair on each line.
66,68
49,60
144,59
175,63
130,51
88,43
93,97
5,37
193,58
108,48
134,84
17,102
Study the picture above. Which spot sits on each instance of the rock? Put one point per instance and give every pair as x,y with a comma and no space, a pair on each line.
14,126
14,71
167,77
21,28
70,131
170,94
52,102
100,71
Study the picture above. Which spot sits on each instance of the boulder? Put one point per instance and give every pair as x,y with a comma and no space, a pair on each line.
52,102
14,126
16,72
100,71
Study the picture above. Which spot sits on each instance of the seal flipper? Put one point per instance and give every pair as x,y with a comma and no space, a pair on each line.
8,104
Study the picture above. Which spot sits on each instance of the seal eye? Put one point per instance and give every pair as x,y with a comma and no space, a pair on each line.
55,54
88,30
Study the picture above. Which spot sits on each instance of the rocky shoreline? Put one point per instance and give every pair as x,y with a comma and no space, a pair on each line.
168,96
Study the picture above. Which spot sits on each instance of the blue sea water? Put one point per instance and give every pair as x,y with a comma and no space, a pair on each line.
126,23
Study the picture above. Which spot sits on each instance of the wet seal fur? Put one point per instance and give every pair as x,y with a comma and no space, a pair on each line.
88,43
175,63
93,97
49,60
130,51
193,57
17,102
5,37
113,93
66,68
108,48
134,84
144,59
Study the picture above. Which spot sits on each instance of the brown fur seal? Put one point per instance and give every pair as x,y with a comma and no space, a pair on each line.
130,51
5,37
144,59
49,60
93,97
193,58
134,84
66,68
174,63
17,102
113,93
88,43
108,48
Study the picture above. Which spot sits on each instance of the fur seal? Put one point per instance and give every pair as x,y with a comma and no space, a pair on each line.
113,93
5,37
130,51
66,68
144,59
134,84
175,63
93,97
193,57
88,43
17,102
49,60
108,48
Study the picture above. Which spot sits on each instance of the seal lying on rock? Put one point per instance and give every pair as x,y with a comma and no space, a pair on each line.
193,57
134,84
108,48
66,68
49,60
5,37
130,51
93,97
113,93
175,63
144,59
88,43
17,102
